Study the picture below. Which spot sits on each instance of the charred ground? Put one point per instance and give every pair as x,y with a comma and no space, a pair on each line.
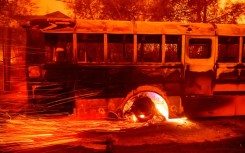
53,135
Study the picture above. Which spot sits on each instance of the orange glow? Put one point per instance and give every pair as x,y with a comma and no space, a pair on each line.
222,3
241,19
182,121
179,120
49,6
34,71
142,116
134,118
131,117
24,133
160,104
161,110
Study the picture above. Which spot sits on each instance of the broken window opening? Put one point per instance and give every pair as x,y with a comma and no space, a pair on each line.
149,48
228,49
200,48
90,48
120,48
173,48
58,48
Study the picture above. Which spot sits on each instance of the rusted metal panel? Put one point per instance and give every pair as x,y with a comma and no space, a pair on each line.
95,108
227,71
89,26
199,83
229,88
143,27
115,80
53,25
118,27
219,105
200,29
230,29
149,27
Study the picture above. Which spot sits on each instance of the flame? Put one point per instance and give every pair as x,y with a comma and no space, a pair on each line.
161,110
178,120
160,104
182,121
134,118
142,116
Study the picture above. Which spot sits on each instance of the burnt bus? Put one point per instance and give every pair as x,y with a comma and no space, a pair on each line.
136,69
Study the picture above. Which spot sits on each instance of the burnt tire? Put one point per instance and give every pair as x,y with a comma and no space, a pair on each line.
140,102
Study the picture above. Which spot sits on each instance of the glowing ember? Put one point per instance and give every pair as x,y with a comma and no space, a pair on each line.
160,104
142,116
134,118
25,133
179,120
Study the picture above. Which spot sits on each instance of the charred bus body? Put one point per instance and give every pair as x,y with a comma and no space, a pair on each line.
92,67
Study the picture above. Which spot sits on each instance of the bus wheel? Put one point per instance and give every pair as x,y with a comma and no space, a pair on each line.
145,103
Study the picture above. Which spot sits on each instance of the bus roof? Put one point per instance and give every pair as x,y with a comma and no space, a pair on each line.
145,27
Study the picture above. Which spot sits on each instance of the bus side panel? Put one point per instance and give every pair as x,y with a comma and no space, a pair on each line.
199,83
218,105
100,89
119,81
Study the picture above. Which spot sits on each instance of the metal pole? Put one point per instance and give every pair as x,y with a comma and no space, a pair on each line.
7,58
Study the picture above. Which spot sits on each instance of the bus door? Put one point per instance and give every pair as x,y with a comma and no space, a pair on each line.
199,65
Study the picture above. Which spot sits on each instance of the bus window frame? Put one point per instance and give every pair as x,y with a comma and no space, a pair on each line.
242,50
53,46
183,37
199,61
103,47
134,56
107,46
160,47
239,50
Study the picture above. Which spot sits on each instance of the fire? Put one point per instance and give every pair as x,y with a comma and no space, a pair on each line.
159,102
134,118
23,133
161,110
142,116
183,121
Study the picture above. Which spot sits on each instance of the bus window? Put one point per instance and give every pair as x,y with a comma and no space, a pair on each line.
200,48
228,49
173,48
149,48
243,50
90,48
58,47
120,48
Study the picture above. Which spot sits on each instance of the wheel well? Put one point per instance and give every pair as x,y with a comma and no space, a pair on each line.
156,94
